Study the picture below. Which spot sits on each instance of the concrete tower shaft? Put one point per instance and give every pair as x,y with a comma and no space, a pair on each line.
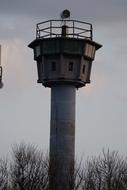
62,135
62,121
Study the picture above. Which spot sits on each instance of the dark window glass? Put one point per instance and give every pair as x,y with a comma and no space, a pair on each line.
71,66
53,66
42,67
83,70
0,73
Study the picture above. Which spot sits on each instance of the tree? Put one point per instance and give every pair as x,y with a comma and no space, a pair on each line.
107,172
28,169
3,174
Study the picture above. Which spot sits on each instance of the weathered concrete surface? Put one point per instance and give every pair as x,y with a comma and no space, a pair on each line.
62,137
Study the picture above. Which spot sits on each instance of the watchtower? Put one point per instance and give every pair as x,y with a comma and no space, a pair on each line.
64,51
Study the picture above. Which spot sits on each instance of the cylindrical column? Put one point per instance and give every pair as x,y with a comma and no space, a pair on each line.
62,137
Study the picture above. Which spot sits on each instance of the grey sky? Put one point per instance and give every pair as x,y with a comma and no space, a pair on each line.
49,8
101,106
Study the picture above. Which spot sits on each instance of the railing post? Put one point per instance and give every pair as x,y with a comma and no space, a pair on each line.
50,28
73,28
91,31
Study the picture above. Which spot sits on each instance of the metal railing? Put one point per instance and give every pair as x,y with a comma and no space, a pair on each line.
75,29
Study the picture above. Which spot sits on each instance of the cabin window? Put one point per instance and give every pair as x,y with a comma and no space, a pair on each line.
53,66
70,67
83,69
90,51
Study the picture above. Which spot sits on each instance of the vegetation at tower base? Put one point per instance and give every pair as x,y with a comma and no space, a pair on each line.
3,174
28,169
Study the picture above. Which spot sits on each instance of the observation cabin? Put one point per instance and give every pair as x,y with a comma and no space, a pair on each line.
64,51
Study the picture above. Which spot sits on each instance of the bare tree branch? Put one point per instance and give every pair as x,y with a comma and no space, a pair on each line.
3,174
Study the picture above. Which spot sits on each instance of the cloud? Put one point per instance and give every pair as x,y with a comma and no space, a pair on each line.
12,27
93,9
16,75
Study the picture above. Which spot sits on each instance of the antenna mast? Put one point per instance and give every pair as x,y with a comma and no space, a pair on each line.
1,70
64,16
